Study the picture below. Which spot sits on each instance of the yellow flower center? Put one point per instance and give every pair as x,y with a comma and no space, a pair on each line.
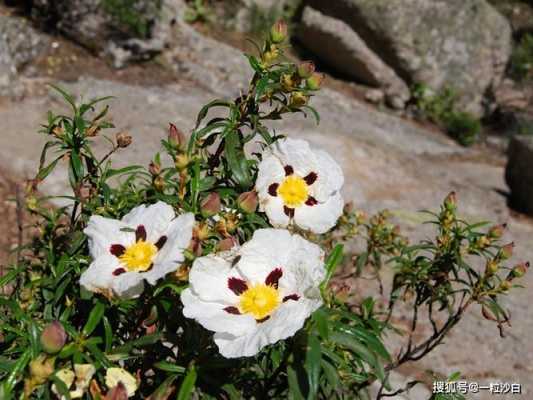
293,191
259,300
139,256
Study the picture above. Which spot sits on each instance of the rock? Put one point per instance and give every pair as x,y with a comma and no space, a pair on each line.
19,44
113,28
520,15
519,172
461,44
248,13
374,96
338,45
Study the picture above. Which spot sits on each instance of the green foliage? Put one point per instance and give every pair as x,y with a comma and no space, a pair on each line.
133,16
441,109
340,351
521,66
198,11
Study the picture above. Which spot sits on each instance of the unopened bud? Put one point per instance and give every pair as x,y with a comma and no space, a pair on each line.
278,32
450,202
287,82
298,99
159,183
271,55
53,337
201,231
492,267
505,285
248,202
31,203
58,132
210,205
182,161
175,137
315,81
506,251
306,69
496,232
520,270
84,192
154,168
123,139
119,392
227,244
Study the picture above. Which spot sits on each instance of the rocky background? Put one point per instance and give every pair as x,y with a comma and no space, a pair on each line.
410,82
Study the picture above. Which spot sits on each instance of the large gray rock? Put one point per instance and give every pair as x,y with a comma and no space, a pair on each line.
112,28
19,44
519,173
462,44
338,45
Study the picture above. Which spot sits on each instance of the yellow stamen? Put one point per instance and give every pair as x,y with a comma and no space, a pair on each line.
259,300
139,256
293,191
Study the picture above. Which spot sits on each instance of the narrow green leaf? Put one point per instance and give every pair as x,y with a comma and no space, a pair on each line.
333,261
188,384
312,365
169,367
94,319
294,386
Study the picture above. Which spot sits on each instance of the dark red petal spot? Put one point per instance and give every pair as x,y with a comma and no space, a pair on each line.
262,319
237,286
119,271
273,278
232,310
117,250
311,201
311,178
140,233
293,296
289,170
161,242
289,212
273,189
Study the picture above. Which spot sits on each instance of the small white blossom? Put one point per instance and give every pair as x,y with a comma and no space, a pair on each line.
82,373
299,185
263,294
146,244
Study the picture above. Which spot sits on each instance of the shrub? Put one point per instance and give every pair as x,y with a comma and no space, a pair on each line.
171,280
521,65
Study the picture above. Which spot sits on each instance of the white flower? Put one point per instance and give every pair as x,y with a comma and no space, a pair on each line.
296,184
265,297
115,375
83,374
146,244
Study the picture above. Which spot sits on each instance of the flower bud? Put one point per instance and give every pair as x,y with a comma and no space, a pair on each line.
58,132
31,203
154,168
119,392
227,244
271,55
298,99
92,131
53,337
450,202
505,285
306,69
520,270
84,192
506,251
248,202
210,205
182,161
287,82
123,140
496,232
491,267
175,137
278,32
315,81
201,231
159,183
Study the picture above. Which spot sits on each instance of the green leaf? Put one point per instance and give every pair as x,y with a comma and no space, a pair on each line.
69,99
312,365
237,160
44,172
94,319
333,261
294,386
169,367
188,384
205,109
331,374
76,165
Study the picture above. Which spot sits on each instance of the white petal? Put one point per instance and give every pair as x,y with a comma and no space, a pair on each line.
159,270
99,275
297,154
285,322
115,375
104,232
273,207
179,235
128,285
208,279
330,177
270,170
321,217
84,374
268,249
155,218
212,316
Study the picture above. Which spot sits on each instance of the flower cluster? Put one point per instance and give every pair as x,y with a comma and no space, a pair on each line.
250,296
